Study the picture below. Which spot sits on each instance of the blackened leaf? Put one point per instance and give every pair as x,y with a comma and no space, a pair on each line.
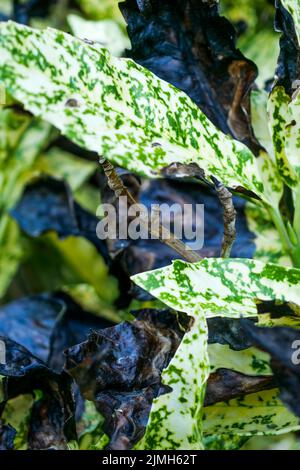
46,324
71,328
288,67
188,44
225,384
182,131
228,331
7,436
25,10
120,369
52,423
283,344
48,205
19,362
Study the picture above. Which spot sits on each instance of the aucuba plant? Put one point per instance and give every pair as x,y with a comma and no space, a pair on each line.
167,349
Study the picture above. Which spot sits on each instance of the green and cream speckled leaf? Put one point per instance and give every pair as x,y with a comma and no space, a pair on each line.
221,287
257,413
284,115
11,251
22,142
293,7
120,110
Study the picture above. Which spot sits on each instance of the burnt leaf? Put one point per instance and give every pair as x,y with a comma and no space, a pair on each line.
126,414
288,67
50,323
7,436
188,44
48,205
225,384
283,344
52,423
283,104
119,368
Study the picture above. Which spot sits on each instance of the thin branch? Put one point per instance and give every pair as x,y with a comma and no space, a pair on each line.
156,230
229,217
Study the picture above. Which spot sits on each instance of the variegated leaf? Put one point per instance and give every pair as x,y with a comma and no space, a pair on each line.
22,141
17,414
284,114
249,361
122,111
224,441
175,419
221,287
235,416
277,313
